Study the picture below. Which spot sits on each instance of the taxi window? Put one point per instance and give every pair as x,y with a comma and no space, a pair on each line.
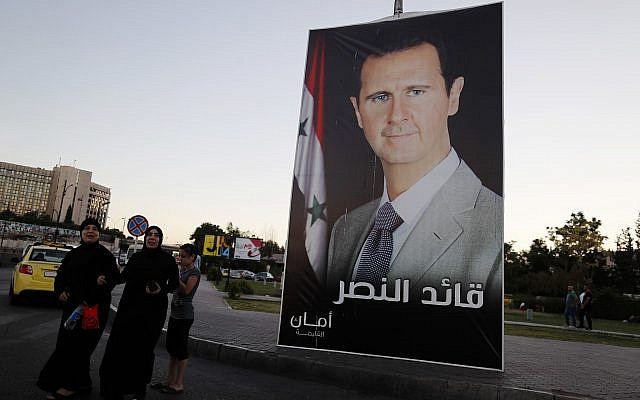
48,255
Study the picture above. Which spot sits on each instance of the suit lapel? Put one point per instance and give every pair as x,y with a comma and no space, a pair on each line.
439,226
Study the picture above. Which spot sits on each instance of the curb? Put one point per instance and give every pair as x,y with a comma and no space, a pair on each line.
360,379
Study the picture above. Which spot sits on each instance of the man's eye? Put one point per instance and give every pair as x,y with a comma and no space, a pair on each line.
380,98
415,92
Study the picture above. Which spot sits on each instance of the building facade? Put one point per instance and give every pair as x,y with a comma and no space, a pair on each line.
56,192
24,189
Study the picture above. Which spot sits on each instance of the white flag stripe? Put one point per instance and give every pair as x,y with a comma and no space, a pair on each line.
309,173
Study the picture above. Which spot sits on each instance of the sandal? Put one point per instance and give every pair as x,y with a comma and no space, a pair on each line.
158,386
170,390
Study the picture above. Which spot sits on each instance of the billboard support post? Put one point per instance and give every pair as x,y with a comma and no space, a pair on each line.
397,7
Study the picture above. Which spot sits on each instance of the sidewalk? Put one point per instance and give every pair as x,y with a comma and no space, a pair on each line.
534,368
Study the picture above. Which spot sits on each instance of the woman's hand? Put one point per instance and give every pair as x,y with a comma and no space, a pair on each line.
64,296
152,287
146,289
101,280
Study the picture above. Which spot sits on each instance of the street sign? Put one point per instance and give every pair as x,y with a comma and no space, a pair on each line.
137,225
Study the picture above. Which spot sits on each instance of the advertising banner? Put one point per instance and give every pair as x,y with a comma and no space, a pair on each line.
215,246
247,249
396,228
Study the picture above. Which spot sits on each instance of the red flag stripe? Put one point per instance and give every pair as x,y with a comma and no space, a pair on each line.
315,84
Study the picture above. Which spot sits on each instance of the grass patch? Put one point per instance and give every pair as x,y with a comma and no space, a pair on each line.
558,320
255,305
259,288
573,335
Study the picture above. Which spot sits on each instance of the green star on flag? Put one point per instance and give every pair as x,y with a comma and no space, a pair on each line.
317,210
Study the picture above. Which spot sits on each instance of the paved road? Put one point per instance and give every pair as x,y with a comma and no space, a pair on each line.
553,369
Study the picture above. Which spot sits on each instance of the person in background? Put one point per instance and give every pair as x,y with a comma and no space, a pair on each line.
570,304
585,307
86,275
180,321
128,359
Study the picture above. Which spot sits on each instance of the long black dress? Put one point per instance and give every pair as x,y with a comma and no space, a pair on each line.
128,360
69,365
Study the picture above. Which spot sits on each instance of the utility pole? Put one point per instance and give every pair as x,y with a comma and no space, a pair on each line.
397,8
64,191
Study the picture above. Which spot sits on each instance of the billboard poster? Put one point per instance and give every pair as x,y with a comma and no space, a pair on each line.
215,246
247,249
395,243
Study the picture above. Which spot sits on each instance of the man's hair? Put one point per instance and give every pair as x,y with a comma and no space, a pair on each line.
390,41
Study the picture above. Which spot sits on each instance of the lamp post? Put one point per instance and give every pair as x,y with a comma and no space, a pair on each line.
64,192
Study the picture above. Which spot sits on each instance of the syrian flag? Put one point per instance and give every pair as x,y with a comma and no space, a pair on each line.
309,164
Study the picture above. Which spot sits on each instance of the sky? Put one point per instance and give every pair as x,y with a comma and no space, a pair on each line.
189,110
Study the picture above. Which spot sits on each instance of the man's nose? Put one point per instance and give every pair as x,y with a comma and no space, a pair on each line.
398,112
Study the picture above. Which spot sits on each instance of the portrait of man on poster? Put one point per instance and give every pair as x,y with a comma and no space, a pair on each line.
436,231
401,136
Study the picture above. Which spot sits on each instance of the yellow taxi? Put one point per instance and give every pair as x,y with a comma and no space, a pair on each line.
37,270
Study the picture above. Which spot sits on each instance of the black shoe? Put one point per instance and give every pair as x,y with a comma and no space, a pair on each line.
139,395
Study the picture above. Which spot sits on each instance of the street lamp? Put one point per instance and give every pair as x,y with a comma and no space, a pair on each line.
64,192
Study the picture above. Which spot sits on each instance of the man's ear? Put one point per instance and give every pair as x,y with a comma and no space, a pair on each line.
354,103
454,95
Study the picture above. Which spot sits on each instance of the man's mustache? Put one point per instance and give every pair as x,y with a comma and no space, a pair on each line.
401,129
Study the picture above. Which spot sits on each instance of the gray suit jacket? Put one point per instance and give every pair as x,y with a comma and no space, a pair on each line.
459,236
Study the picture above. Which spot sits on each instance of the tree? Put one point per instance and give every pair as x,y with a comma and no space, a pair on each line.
515,272
539,257
626,271
638,232
269,248
205,228
234,231
8,215
578,243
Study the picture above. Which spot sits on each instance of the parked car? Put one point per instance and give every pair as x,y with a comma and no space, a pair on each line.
236,273
263,276
36,271
247,275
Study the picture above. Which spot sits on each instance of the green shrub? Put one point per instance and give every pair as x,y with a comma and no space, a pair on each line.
609,304
237,288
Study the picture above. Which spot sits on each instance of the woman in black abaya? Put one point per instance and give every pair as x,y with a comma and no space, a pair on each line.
128,360
87,274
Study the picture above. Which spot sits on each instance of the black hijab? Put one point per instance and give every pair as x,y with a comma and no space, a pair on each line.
89,221
144,243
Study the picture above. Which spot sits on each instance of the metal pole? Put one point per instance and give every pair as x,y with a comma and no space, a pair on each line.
4,223
64,190
397,7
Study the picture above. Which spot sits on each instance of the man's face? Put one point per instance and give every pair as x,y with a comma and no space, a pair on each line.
403,107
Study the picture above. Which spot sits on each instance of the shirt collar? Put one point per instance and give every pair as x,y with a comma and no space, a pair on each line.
415,199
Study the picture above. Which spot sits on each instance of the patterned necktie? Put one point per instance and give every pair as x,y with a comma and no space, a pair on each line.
376,254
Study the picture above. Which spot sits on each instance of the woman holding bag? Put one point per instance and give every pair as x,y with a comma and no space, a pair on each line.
128,359
85,277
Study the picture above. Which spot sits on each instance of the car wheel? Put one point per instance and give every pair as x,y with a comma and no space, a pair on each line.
14,299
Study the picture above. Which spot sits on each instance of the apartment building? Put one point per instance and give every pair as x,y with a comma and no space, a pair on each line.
26,189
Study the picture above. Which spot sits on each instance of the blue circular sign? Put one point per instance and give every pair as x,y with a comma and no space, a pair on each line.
137,225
